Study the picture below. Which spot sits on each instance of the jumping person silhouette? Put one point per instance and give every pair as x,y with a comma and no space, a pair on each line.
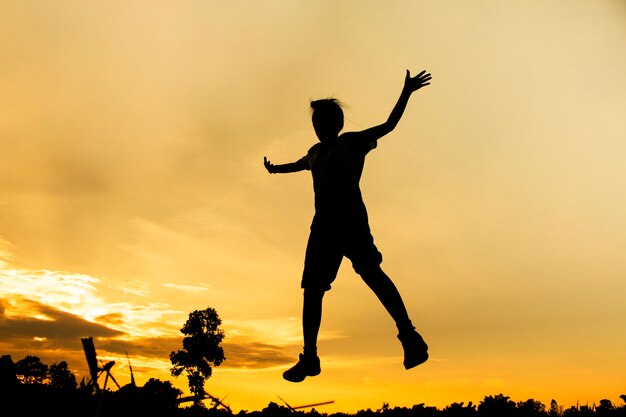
340,226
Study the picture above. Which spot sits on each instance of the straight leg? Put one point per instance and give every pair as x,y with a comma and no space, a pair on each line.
308,363
311,319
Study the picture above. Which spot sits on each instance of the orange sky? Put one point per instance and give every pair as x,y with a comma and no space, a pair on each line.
132,191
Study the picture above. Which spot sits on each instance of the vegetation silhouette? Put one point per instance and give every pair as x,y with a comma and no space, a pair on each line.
340,226
51,395
30,387
201,348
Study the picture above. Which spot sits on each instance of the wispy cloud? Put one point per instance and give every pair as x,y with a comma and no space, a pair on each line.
29,292
64,290
255,355
287,330
147,347
188,288
6,251
140,289
26,320
52,310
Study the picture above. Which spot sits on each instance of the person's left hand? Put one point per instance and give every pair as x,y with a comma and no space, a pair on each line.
415,83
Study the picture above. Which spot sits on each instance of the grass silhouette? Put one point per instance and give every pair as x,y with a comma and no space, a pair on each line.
35,390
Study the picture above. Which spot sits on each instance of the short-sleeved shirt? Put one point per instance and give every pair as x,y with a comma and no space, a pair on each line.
336,168
340,226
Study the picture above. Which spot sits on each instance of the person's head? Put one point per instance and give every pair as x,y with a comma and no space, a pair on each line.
327,118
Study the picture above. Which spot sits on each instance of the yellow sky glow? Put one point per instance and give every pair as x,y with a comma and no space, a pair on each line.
132,191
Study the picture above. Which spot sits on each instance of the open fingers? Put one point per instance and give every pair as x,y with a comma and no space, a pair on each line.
420,79
424,76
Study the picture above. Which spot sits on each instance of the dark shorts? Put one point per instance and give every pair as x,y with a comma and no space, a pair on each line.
329,243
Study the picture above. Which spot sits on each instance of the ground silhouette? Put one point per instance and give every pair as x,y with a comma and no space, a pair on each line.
51,395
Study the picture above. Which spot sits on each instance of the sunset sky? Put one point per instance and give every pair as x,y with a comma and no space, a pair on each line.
132,191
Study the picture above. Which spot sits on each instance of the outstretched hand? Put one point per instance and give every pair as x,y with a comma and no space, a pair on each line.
420,80
268,165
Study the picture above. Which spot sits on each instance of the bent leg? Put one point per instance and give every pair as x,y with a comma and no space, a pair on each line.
388,294
415,349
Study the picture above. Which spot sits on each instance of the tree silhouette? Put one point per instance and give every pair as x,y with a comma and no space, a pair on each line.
496,406
531,408
31,370
61,378
201,348
8,373
556,410
604,408
276,410
458,410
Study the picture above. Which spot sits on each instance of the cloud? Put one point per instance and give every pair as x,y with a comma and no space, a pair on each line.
65,290
255,355
140,289
6,251
249,355
50,311
187,288
24,320
53,329
82,296
287,330
146,347
113,318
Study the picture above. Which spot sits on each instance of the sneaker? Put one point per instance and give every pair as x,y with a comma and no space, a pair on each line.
415,349
306,366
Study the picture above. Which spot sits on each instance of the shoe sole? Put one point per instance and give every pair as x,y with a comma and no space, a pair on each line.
293,379
419,361
286,378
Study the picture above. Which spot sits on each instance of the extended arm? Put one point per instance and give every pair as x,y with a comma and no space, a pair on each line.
300,165
410,85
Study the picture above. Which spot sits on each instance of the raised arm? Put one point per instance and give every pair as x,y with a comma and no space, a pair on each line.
411,84
300,165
